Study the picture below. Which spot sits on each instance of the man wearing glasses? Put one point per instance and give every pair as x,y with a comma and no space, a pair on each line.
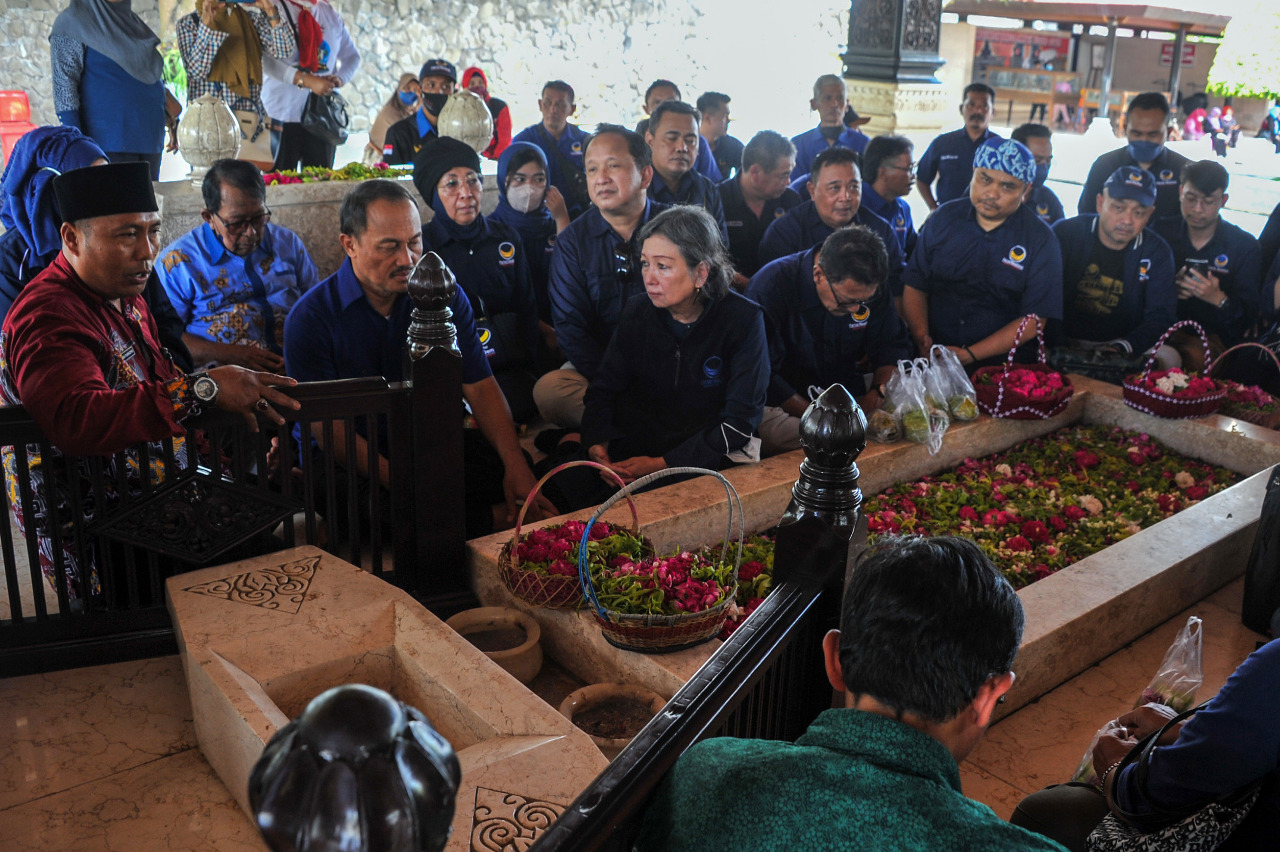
888,173
830,319
595,266
234,279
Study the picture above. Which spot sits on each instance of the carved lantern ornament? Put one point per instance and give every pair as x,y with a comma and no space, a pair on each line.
207,133
466,117
358,771
894,40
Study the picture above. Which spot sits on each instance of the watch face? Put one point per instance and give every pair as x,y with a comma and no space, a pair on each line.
205,389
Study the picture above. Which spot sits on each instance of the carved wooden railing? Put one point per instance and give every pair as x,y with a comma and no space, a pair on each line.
105,599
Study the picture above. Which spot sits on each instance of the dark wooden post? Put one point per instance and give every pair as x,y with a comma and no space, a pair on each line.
894,41
823,530
433,365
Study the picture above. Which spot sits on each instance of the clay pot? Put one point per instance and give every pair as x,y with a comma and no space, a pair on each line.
208,132
596,694
486,627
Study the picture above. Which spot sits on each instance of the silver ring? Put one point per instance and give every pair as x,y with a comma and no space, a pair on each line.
262,404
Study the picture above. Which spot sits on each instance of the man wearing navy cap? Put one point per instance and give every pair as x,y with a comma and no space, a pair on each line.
1118,290
830,100
406,137
983,263
949,157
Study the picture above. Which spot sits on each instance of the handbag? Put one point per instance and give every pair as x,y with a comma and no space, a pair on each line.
1202,827
255,139
325,117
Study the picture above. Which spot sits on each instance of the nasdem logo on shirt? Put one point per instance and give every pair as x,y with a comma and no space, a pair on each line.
711,370
1166,175
1221,261
506,254
576,148
1144,269
1016,256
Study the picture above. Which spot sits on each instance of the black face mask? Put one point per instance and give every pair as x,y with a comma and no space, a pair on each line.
832,133
434,101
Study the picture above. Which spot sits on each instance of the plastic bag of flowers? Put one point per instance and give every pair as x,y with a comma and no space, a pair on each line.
1175,685
962,399
884,425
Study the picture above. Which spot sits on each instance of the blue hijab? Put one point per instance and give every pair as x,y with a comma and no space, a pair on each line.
534,226
28,205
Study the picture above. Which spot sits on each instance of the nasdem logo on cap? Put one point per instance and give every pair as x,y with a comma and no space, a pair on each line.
1133,178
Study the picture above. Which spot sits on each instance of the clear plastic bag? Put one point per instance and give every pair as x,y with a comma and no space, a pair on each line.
962,399
1175,684
884,425
921,422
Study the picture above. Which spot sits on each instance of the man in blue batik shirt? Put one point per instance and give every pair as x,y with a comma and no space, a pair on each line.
983,263
562,142
830,100
1040,198
234,279
949,158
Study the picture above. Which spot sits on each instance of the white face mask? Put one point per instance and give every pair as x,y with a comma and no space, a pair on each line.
525,199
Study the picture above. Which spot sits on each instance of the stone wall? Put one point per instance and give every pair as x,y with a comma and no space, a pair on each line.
609,50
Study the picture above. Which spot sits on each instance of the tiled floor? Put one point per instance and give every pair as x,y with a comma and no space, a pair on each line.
1042,743
105,758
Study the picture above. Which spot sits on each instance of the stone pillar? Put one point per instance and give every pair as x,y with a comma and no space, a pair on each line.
891,63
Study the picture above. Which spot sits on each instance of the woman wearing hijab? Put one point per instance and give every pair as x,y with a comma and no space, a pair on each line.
489,264
473,79
325,59
221,46
106,79
536,211
32,223
402,104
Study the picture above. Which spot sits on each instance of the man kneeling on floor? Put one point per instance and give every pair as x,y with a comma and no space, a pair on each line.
928,633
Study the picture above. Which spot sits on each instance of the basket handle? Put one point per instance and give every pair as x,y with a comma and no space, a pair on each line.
1013,351
734,502
635,517
1248,345
1204,341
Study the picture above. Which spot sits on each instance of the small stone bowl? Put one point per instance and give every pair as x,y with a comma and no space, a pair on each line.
598,693
522,661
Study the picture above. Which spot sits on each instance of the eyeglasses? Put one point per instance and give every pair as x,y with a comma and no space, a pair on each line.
452,186
911,169
622,263
859,309
239,226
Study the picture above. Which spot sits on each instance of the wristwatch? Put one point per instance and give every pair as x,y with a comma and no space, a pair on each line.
1223,303
204,388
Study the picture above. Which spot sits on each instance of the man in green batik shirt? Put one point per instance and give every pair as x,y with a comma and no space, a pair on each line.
927,637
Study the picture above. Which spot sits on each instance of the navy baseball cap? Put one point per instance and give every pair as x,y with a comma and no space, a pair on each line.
1132,182
438,68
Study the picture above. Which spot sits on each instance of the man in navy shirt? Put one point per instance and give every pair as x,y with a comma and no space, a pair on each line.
756,197
1040,198
888,172
1117,285
727,149
829,319
354,324
665,90
1146,126
836,188
830,99
562,142
949,158
1269,239
983,263
1219,272
595,267
438,79
673,138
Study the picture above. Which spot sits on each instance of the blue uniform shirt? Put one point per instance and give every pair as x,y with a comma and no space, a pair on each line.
695,189
949,158
226,298
1234,258
811,142
593,273
800,186
569,146
979,281
746,229
810,346
802,229
897,212
334,333
1045,204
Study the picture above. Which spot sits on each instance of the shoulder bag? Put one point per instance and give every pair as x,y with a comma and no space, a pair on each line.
324,116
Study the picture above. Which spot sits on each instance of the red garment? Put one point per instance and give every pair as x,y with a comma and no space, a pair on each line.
92,377
501,116
310,37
